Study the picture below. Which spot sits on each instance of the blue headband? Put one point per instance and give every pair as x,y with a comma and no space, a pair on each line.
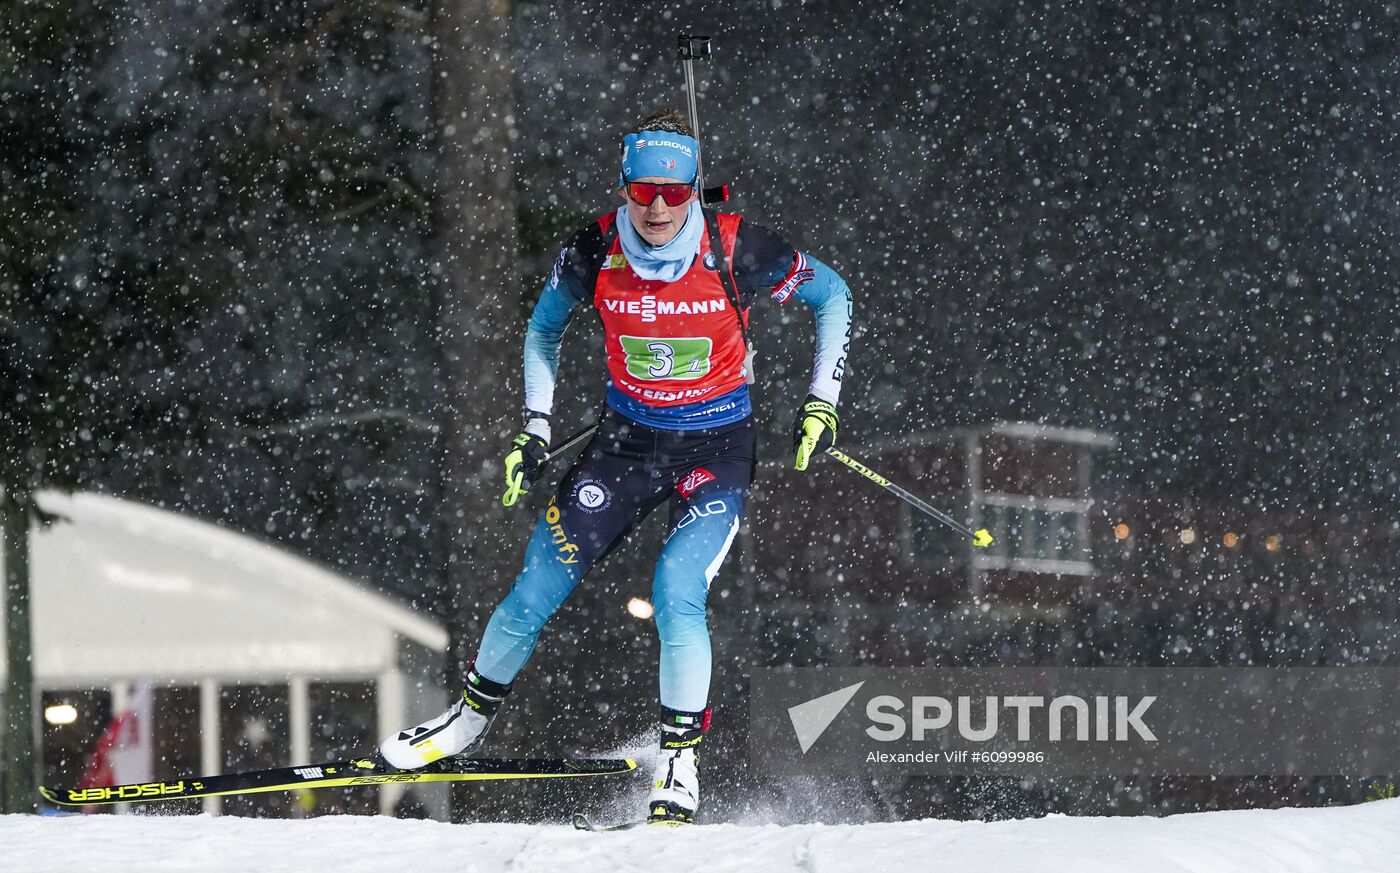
659,153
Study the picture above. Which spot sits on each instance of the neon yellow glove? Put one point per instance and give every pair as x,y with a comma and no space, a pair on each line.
528,452
814,431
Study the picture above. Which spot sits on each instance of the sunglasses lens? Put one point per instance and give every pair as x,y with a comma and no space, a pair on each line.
675,195
645,193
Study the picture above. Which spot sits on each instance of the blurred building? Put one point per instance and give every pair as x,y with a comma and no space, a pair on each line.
257,658
1084,570
1029,485
834,570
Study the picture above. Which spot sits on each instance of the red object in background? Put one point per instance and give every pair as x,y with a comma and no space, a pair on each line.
125,752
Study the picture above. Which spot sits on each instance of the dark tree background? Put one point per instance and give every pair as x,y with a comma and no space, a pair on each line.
1175,222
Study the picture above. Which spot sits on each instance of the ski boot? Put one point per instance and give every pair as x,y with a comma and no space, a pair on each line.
675,791
459,731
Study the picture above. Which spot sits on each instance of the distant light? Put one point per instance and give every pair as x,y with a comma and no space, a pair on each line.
1121,531
639,608
1232,539
1188,536
61,713
1274,542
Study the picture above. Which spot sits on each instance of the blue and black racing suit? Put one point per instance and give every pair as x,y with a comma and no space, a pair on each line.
678,428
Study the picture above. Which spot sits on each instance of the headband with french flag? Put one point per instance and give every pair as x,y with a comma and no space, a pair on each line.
660,153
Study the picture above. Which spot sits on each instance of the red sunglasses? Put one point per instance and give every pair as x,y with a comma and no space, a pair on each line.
673,193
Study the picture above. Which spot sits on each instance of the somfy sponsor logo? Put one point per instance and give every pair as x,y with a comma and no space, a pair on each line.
568,552
925,717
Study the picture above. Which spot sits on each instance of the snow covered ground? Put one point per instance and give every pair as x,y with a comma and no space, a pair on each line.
1335,840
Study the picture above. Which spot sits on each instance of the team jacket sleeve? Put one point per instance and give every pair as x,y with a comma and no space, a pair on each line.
830,298
566,288
762,259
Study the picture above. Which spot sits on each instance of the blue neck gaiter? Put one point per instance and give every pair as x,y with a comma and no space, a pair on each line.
665,263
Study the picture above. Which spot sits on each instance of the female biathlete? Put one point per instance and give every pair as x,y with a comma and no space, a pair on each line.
673,284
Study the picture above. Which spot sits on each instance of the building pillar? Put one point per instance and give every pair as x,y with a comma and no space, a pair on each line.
299,716
210,741
391,713
121,698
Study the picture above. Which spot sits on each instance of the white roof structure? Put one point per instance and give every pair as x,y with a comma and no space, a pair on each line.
126,592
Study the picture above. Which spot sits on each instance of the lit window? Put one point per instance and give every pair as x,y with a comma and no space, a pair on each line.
1024,529
61,713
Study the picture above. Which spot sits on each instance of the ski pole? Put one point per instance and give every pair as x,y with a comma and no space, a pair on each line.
570,442
980,537
695,48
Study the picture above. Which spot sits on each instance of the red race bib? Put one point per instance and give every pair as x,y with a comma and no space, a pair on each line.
671,343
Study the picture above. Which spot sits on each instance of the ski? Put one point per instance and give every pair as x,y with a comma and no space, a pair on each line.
336,774
583,823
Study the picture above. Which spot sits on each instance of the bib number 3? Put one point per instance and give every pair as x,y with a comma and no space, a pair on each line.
653,358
